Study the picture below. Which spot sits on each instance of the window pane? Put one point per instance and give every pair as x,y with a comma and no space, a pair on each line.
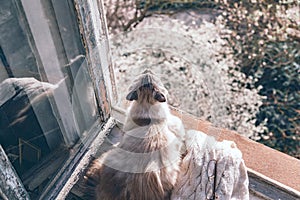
188,51
47,99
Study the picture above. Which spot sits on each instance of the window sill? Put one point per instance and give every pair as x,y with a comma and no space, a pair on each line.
272,174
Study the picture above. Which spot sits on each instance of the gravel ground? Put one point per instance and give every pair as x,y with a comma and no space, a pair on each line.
188,53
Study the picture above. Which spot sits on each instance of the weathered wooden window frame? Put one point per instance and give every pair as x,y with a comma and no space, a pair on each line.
92,25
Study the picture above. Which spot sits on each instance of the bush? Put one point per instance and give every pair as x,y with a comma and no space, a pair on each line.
266,45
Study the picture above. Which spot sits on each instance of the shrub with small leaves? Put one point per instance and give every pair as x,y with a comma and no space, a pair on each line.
280,81
266,44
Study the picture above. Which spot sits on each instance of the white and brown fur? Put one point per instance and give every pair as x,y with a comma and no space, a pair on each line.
145,164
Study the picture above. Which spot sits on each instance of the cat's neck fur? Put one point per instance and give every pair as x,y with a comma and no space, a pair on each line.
142,114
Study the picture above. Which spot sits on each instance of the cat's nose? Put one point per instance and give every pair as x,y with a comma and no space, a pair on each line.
147,82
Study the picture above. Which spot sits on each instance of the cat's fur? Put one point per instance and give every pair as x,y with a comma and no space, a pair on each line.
145,164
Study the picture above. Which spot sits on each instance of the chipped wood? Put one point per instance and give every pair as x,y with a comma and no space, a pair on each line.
11,186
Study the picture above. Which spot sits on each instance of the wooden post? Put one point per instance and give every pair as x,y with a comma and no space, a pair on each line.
11,186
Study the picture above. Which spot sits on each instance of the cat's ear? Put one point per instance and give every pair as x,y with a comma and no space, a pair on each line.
133,95
160,97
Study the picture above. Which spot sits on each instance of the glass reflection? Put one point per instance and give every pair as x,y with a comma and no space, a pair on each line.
47,100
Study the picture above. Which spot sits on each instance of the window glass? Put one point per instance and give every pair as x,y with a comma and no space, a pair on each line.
194,79
184,45
232,63
47,99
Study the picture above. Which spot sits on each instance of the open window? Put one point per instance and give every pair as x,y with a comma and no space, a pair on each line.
55,76
58,99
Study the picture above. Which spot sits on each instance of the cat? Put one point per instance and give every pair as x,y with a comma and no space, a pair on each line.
146,162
